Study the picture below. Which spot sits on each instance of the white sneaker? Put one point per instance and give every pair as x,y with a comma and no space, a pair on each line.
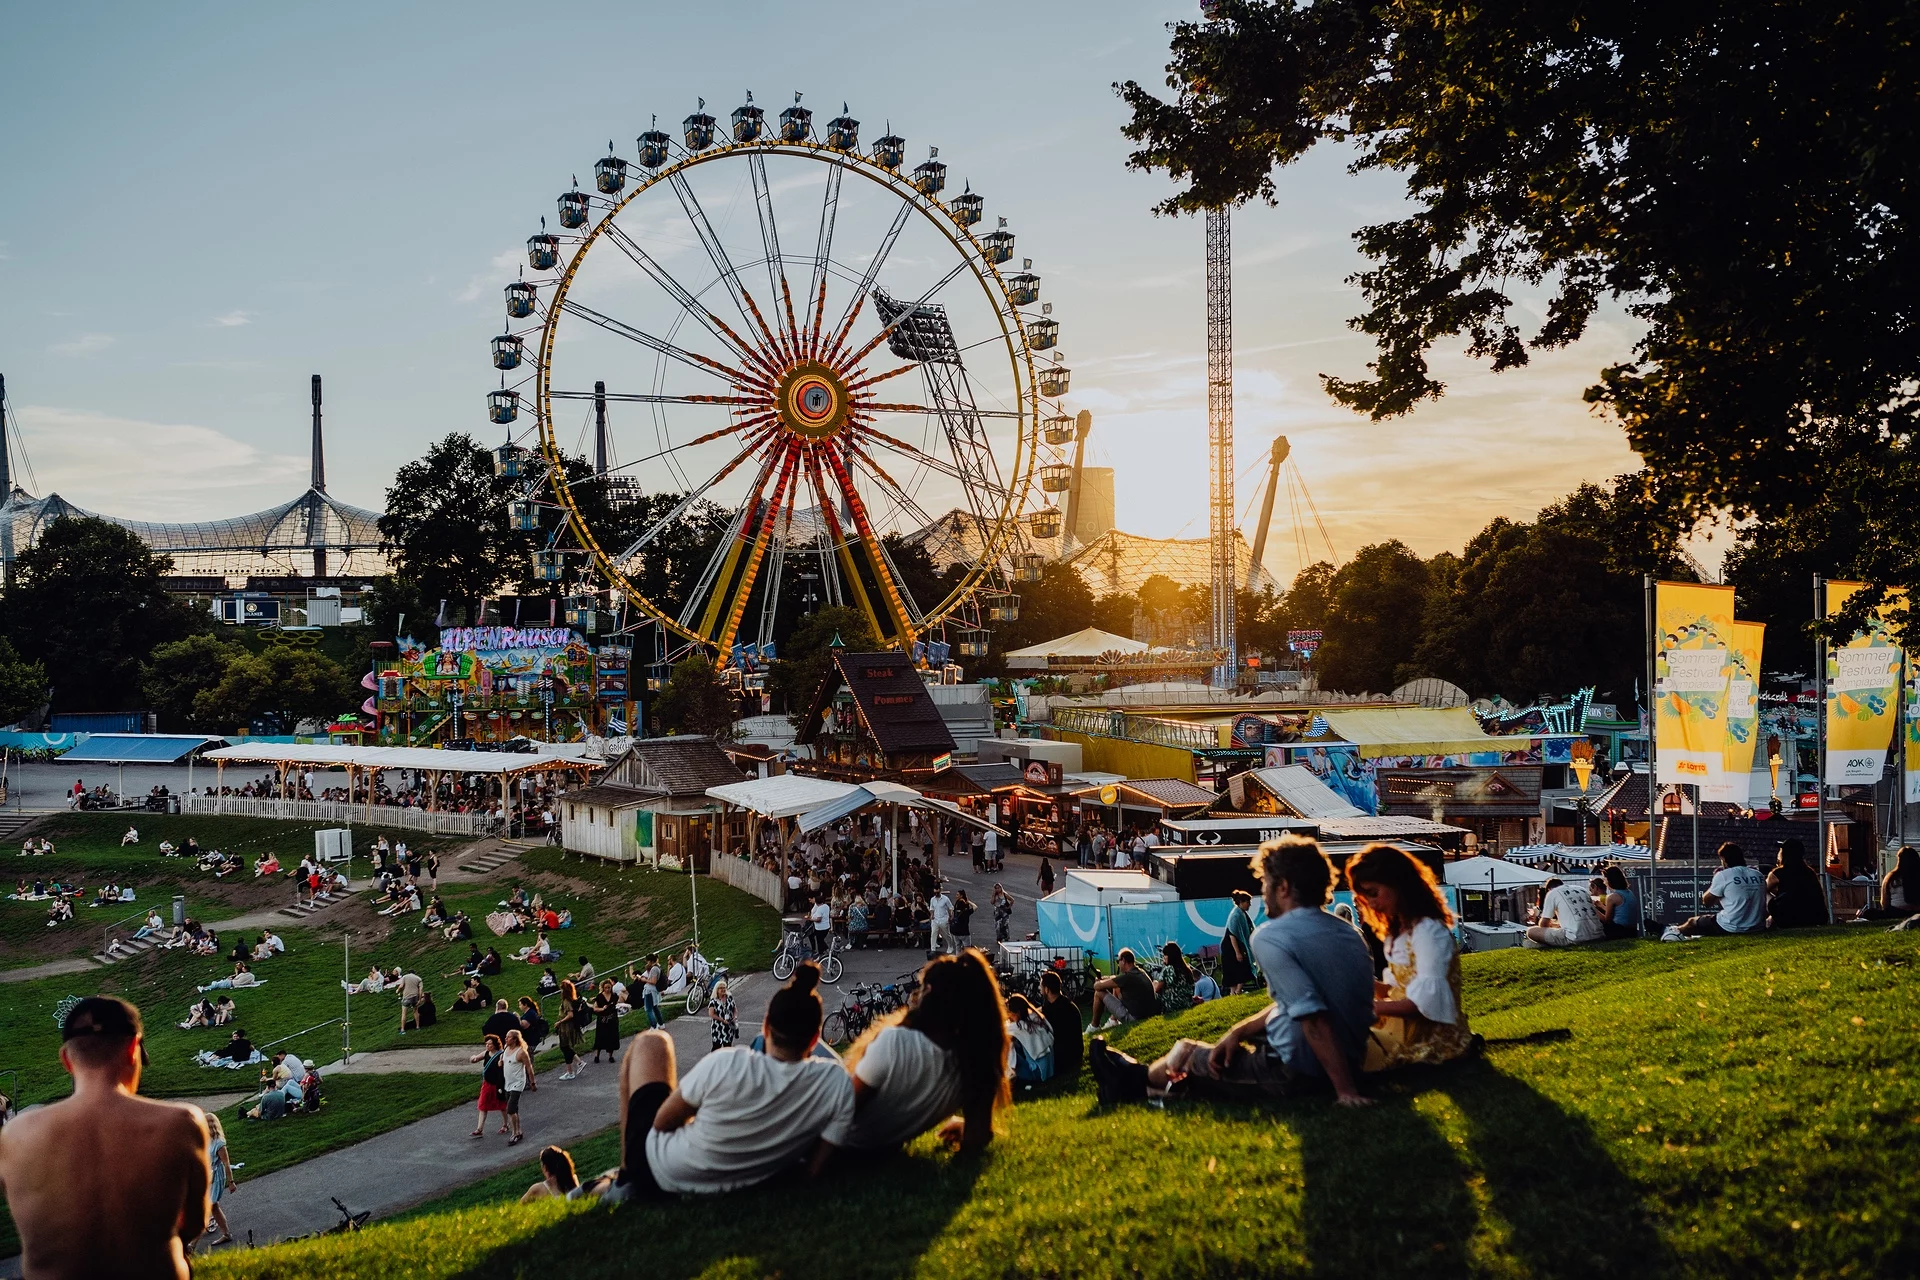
1673,934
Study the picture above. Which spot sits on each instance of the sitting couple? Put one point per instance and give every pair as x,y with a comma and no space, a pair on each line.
1329,1020
742,1116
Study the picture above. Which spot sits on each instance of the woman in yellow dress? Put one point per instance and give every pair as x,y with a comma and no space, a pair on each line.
1418,1014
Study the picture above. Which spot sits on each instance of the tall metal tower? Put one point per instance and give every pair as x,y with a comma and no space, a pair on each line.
1220,506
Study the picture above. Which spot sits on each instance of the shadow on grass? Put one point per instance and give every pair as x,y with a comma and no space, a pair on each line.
775,1230
1388,1193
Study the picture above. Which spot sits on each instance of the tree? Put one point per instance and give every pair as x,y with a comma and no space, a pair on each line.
1739,175
795,677
1057,605
1304,607
87,605
446,525
1114,613
1373,620
23,686
284,685
178,673
695,701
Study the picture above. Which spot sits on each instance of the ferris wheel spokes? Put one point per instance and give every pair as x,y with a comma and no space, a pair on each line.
688,303
770,242
886,330
861,290
658,345
722,263
822,251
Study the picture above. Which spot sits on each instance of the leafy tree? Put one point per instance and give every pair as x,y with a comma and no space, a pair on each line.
1373,619
446,524
1771,567
1739,175
395,605
287,685
86,604
1057,605
1114,613
23,686
695,701
795,677
177,674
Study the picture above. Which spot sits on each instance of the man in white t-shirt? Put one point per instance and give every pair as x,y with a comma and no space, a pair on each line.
1740,894
941,908
821,914
1574,919
740,1116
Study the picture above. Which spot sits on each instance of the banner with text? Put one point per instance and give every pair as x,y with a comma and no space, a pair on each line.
1911,730
1693,666
1863,679
1743,718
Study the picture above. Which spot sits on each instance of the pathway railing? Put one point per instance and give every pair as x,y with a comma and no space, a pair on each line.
436,822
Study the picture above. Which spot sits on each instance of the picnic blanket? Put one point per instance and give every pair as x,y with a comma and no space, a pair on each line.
503,923
208,1058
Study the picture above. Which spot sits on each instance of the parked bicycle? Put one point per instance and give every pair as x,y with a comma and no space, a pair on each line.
792,950
700,989
852,1018
349,1223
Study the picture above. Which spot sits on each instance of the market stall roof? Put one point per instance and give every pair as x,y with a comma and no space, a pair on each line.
137,748
1086,643
1493,874
1385,828
1585,855
1415,731
786,796
1301,790
1156,793
1101,888
325,755
888,793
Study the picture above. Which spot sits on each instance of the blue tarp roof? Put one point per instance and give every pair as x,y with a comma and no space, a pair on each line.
138,748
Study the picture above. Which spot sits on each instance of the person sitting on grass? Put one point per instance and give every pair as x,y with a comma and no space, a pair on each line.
79,1214
1319,975
200,1015
267,866
739,1117
374,983
60,912
1127,996
472,965
474,996
1574,919
1176,989
237,1048
223,1010
109,893
269,945
558,1180
1029,1042
1417,1009
436,915
549,984
428,1012
242,977
241,952
941,1061
1619,904
1063,1015
490,964
1794,900
1899,888
131,837
1738,893
167,848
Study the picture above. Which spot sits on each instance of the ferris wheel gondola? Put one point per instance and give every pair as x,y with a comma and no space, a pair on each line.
769,322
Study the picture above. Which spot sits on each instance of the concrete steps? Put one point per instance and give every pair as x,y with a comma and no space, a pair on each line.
301,910
11,824
125,951
491,861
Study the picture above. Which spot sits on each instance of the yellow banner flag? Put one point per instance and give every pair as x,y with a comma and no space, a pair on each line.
1912,730
1735,785
1863,677
1692,668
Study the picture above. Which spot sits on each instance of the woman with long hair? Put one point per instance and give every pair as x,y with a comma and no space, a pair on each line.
945,1053
1899,888
606,1022
557,1176
570,1023
1418,1014
221,1160
1794,900
492,1085
1620,905
1176,989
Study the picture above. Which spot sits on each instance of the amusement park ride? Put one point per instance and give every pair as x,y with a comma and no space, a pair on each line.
820,337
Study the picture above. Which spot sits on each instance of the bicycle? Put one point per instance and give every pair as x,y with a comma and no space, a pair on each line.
700,989
853,1017
349,1223
831,965
791,951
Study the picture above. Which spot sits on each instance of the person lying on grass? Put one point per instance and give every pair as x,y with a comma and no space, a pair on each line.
941,1061
739,1117
1320,977
1419,1016
557,1177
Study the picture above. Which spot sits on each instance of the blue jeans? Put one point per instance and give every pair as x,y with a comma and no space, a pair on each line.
651,1003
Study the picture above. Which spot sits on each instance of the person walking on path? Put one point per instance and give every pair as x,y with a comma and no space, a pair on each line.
492,1077
606,1020
722,1016
516,1078
1045,878
1002,911
941,941
80,1215
220,1158
1236,945
570,1025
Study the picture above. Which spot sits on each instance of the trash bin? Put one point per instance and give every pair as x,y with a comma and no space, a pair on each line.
179,908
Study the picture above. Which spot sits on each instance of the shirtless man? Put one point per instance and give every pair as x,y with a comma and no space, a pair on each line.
106,1183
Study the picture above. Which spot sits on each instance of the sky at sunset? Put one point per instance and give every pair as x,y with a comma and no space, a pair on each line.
207,204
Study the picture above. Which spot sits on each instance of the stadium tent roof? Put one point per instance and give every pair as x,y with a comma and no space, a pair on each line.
325,755
1415,731
137,748
1086,643
785,796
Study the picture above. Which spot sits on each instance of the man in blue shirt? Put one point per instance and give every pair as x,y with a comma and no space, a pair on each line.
1320,976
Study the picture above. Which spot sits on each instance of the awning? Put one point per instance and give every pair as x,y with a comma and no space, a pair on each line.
1301,790
1154,793
786,796
322,755
1416,731
138,748
1490,875
888,793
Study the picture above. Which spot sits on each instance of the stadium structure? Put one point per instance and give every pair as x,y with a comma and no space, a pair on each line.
314,539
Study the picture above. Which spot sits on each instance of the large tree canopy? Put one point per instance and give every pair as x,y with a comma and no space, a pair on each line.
1741,176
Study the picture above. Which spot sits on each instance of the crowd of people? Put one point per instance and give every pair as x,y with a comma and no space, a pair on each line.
532,805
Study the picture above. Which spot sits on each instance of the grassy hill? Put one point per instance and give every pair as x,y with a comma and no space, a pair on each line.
1720,1108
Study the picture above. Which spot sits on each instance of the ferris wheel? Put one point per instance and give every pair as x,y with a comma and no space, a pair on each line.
829,346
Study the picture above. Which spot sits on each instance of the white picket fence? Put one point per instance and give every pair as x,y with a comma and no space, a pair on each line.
741,874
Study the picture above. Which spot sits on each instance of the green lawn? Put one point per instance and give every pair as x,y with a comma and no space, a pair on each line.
1722,1108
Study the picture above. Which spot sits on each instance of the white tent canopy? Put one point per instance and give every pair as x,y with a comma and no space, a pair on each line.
1085,645
1104,888
1490,875
888,793
322,755
786,796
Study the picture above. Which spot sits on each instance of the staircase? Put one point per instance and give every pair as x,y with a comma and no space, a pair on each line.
301,910
491,861
127,950
11,824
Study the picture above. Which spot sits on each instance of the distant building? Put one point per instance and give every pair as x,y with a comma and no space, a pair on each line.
652,806
872,717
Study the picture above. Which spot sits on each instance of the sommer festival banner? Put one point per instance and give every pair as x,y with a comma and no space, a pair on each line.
1911,730
1863,678
1743,718
1693,666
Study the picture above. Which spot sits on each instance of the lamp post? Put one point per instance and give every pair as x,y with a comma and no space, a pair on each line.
1773,772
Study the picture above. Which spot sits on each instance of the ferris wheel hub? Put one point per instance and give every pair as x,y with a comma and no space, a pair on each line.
813,400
